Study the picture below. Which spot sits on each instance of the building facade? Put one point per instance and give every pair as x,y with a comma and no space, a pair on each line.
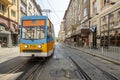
93,23
11,12
104,23
28,8
61,34
84,23
8,22
77,22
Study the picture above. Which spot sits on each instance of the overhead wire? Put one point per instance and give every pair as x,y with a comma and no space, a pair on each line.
53,10
45,13
41,3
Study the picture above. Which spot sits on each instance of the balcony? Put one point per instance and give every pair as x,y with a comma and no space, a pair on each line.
23,11
7,1
24,2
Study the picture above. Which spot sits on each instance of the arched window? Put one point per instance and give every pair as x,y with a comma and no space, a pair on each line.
105,2
95,6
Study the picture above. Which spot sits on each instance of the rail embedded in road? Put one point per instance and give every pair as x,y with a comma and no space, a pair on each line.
32,73
83,74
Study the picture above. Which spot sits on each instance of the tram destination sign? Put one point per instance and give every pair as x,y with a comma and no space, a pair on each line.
26,23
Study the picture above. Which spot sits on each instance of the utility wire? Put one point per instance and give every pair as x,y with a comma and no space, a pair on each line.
53,10
44,12
40,1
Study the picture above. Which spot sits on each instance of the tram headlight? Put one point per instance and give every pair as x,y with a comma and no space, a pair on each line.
25,46
39,46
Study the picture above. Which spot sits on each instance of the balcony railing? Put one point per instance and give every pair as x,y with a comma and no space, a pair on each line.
24,2
22,10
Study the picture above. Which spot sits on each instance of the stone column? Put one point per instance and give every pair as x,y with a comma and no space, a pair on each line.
9,40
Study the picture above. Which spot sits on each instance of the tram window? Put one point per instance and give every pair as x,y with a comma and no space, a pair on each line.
33,33
49,31
52,30
40,33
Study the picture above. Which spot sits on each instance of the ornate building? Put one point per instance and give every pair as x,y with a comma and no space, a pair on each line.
28,8
61,34
104,26
8,22
77,22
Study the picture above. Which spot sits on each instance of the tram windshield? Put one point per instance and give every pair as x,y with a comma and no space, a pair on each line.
33,32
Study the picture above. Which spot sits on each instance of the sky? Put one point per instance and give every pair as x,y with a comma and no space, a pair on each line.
57,8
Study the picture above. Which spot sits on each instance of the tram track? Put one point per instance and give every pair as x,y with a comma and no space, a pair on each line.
81,72
107,74
14,69
85,76
32,73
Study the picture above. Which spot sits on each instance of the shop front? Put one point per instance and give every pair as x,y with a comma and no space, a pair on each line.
5,37
85,33
8,32
110,29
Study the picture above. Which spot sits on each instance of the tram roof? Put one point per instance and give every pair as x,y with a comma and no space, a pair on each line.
34,17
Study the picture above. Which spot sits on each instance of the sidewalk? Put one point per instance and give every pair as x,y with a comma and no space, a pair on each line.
106,55
8,53
9,50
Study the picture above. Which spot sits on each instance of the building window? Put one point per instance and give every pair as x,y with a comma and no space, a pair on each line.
115,37
85,12
79,7
13,13
34,11
95,6
104,23
105,2
13,1
30,13
84,1
2,7
30,6
79,18
24,1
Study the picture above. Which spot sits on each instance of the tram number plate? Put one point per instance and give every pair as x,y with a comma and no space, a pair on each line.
32,46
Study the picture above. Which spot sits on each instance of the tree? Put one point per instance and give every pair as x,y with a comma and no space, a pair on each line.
73,28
